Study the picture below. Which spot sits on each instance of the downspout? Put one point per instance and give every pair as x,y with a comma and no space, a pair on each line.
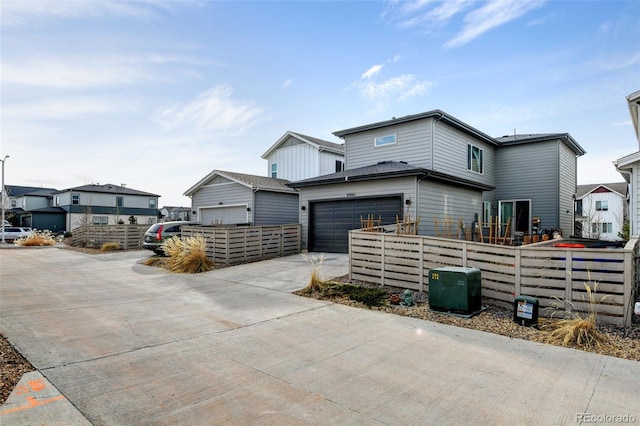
253,204
433,126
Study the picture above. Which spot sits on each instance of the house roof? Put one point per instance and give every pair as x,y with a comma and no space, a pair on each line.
319,144
18,191
618,187
436,113
541,137
385,170
107,189
256,183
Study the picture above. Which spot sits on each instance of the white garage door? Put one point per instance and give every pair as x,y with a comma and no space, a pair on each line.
223,215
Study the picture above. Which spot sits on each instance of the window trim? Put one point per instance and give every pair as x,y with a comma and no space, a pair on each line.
380,140
602,205
75,199
470,150
274,170
153,203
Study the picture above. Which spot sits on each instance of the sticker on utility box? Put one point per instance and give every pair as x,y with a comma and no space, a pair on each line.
525,309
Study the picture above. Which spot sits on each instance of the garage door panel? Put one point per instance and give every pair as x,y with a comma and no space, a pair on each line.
331,221
223,215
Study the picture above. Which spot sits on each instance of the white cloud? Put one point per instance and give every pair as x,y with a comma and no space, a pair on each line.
213,110
372,71
287,83
16,13
404,86
65,108
74,73
491,15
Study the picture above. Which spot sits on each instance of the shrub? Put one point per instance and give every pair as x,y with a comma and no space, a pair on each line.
110,247
37,238
369,296
188,255
575,330
315,282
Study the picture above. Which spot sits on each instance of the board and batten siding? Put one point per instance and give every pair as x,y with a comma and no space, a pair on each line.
568,164
413,145
221,191
450,154
275,208
295,161
438,200
530,172
405,186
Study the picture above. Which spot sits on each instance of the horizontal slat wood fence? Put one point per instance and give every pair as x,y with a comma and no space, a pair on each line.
128,236
241,244
552,275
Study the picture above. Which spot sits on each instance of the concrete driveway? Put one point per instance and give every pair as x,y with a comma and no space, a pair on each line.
129,344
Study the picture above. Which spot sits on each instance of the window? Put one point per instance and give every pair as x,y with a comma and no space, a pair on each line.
486,211
75,199
339,166
13,203
605,228
385,140
119,201
274,171
152,203
602,206
57,200
100,220
474,158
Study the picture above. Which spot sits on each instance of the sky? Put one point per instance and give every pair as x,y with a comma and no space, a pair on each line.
156,94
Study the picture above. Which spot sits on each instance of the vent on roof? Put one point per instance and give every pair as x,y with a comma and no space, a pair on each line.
404,162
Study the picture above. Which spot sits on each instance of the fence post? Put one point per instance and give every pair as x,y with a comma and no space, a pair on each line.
628,284
382,265
517,272
465,249
350,255
568,286
421,264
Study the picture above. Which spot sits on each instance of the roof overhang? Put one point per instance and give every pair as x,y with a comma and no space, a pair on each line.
634,109
437,114
302,138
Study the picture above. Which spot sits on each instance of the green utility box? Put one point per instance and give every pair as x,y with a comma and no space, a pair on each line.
455,289
525,310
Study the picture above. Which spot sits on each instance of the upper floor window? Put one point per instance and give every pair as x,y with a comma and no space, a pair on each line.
152,203
339,166
474,158
119,201
385,140
57,200
602,206
14,203
75,199
274,170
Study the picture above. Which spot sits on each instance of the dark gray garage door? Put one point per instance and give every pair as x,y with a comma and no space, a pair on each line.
331,221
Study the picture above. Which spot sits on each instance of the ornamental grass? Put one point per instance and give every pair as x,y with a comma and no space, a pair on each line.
37,238
187,255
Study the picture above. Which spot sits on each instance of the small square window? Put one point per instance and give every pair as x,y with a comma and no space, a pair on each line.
385,140
602,206
75,199
339,166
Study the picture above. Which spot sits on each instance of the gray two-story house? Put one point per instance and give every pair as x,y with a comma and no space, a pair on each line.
433,166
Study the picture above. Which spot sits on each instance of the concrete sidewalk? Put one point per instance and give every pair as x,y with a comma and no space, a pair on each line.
129,344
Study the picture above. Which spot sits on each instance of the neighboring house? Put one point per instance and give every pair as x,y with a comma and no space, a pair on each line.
601,210
433,166
32,207
629,167
171,213
229,198
108,204
296,156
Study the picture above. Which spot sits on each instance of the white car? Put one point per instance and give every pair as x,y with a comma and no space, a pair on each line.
12,233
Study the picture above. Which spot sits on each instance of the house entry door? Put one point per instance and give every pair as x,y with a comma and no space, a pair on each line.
520,210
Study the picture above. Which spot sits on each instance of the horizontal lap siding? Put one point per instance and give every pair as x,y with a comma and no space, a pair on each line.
551,275
275,208
439,201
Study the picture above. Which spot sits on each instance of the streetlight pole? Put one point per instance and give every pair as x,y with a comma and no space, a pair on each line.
2,197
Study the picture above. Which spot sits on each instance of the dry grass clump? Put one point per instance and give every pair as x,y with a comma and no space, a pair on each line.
109,247
315,281
37,238
575,330
187,255
156,261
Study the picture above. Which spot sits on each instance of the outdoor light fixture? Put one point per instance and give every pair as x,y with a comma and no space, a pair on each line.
2,197
303,208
